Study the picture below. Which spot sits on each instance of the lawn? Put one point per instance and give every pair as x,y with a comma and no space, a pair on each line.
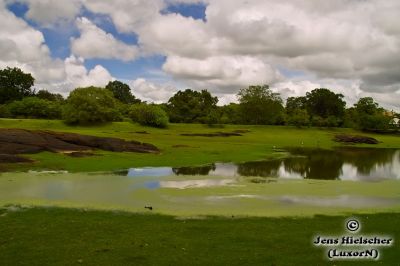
74,237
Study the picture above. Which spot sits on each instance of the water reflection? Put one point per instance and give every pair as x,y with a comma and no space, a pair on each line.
348,163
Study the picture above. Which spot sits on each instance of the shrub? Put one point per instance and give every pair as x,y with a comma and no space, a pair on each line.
149,115
33,107
4,112
298,118
89,106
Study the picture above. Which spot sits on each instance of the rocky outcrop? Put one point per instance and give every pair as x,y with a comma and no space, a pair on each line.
22,141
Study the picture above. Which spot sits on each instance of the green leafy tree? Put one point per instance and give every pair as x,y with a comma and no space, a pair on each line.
46,95
370,116
15,85
230,114
122,92
191,106
324,103
149,115
293,104
90,105
260,106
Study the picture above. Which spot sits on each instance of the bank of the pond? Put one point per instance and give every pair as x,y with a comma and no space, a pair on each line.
255,143
75,237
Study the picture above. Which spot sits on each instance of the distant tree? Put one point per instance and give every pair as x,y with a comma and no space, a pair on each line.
90,105
191,106
260,106
367,106
324,103
14,85
46,95
122,92
149,115
294,104
370,116
230,114
33,107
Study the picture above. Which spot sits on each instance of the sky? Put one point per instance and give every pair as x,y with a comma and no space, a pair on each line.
161,46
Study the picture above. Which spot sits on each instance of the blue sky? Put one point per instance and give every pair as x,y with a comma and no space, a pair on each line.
161,46
58,40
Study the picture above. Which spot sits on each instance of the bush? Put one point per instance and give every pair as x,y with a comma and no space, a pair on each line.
33,107
90,106
298,118
149,115
4,112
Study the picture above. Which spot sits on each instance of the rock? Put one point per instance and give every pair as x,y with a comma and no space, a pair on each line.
355,139
11,158
21,141
216,134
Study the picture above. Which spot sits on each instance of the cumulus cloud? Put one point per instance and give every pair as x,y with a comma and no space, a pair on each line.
221,72
79,76
352,46
50,12
152,92
24,47
96,43
127,15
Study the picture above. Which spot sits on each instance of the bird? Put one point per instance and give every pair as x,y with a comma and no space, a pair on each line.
148,207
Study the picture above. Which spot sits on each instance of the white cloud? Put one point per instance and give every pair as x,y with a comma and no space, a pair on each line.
50,12
151,92
350,46
79,76
127,15
96,43
221,72
24,47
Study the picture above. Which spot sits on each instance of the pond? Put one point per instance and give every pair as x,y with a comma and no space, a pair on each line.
358,164
280,187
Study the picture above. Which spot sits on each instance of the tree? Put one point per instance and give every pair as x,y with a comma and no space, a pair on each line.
293,104
367,106
149,115
90,105
324,103
260,106
122,92
46,95
191,106
14,85
370,116
230,114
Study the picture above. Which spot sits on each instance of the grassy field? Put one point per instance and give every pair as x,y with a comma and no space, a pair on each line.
72,237
258,144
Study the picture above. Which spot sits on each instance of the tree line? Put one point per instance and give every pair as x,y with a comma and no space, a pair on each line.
257,105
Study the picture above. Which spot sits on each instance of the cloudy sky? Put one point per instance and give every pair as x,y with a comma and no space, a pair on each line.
161,46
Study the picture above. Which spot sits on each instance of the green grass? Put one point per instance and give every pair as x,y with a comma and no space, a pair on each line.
73,237
255,145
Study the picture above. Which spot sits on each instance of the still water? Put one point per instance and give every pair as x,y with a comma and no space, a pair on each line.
358,164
